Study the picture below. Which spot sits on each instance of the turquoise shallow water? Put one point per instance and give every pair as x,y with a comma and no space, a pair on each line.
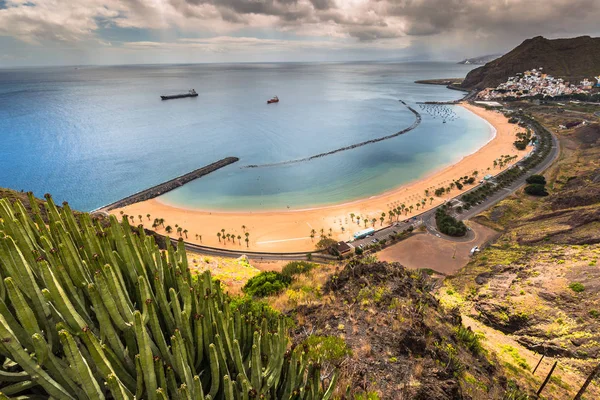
93,135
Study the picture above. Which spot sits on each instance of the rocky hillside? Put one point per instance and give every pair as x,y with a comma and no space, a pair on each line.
572,59
539,282
403,343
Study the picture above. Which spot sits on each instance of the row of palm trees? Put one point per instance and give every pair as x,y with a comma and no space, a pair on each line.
313,233
231,237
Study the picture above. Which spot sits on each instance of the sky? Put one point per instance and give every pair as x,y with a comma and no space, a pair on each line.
82,32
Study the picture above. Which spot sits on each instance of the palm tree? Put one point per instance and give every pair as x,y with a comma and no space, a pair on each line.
352,217
247,241
121,212
322,233
312,234
426,192
176,226
228,236
200,238
131,218
179,229
418,205
330,231
248,234
240,240
244,228
148,216
140,217
391,215
383,215
475,173
411,208
430,200
162,221
168,229
373,220
219,236
452,184
495,163
185,231
358,219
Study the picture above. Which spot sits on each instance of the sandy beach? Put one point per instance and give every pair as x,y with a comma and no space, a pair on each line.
287,231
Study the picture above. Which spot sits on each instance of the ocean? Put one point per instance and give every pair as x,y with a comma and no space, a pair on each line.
93,135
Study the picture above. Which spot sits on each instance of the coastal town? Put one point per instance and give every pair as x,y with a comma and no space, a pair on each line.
536,82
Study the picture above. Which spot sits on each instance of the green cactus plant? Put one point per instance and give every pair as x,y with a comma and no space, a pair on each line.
98,311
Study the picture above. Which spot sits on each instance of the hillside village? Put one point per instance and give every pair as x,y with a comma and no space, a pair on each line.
536,82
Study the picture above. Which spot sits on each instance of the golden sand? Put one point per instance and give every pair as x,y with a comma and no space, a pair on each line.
287,231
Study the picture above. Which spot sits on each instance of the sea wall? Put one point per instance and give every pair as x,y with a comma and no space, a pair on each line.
167,186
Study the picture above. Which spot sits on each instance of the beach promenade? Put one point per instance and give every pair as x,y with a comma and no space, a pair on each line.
290,230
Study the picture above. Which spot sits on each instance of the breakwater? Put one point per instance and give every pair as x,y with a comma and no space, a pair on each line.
169,185
346,148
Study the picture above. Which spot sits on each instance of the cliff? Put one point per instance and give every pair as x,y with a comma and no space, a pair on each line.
572,59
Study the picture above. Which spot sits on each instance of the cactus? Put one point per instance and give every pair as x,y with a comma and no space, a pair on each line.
99,311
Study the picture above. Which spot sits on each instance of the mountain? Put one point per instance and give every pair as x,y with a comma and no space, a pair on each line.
481,60
572,59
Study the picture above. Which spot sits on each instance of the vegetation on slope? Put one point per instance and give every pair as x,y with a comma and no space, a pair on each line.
398,342
96,312
539,282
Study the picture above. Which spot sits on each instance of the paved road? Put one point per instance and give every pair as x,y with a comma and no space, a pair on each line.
212,251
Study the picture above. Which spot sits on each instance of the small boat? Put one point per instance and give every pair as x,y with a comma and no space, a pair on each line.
273,100
190,93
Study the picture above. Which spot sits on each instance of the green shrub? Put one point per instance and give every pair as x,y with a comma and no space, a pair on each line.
449,225
469,339
297,267
266,284
332,349
577,287
514,353
594,313
536,190
539,179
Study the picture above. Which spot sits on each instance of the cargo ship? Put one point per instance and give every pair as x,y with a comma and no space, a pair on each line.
273,100
191,93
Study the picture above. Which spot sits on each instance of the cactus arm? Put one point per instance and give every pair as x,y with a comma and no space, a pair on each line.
20,356
172,384
6,376
139,389
146,357
60,299
198,392
214,371
161,394
159,369
256,363
228,388
12,324
80,366
118,391
109,302
16,388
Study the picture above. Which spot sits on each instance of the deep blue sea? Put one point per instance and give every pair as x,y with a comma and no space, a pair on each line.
92,135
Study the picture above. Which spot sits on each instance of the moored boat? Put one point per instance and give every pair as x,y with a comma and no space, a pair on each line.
190,93
273,100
